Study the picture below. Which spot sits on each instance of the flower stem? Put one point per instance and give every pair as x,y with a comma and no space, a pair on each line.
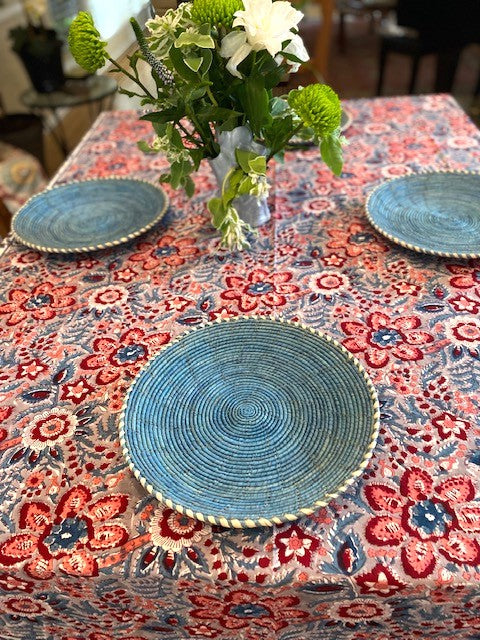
132,77
189,135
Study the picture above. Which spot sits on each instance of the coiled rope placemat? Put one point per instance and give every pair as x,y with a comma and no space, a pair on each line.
432,212
88,215
249,422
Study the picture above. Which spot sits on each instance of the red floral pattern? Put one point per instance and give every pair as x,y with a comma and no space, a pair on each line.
381,337
43,302
424,519
76,329
112,358
69,536
259,288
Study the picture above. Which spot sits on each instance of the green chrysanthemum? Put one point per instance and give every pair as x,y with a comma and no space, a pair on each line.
85,44
218,13
318,106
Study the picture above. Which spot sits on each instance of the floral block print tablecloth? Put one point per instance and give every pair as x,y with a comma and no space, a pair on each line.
86,554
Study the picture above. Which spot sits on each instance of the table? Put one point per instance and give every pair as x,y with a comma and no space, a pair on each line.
90,90
86,554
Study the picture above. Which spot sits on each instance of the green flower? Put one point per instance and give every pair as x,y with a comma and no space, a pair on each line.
318,106
85,44
218,13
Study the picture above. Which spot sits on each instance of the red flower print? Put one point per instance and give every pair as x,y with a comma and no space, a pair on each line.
43,302
360,610
240,609
381,336
380,581
466,275
173,531
464,303
113,357
124,275
31,369
5,412
259,287
295,544
203,630
24,606
424,520
49,428
449,426
119,165
327,282
106,297
463,331
11,583
76,391
356,240
70,535
168,250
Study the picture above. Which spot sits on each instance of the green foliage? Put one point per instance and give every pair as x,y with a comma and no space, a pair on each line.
195,96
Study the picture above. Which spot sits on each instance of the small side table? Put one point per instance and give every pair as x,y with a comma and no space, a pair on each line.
91,90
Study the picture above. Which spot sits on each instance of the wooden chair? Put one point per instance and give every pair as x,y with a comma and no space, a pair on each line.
317,36
368,8
5,219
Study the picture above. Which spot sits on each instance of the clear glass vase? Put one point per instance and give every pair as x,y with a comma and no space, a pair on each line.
252,210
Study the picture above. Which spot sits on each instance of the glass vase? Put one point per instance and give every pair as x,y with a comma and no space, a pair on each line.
252,210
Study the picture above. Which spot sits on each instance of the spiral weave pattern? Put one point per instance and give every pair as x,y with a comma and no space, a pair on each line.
434,212
249,422
88,215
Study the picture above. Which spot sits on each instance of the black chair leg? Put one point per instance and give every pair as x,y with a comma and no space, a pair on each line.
413,75
447,62
381,67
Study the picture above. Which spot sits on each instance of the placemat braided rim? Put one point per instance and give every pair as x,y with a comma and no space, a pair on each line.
407,245
96,247
285,517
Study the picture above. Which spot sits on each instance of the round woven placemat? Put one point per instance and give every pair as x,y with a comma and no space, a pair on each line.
432,212
249,422
88,215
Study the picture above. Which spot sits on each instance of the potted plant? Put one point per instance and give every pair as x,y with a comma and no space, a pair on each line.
39,48
215,64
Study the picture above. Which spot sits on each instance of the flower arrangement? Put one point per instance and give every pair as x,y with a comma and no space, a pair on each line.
214,65
39,47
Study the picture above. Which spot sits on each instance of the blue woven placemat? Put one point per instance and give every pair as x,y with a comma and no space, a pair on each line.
432,212
89,215
249,422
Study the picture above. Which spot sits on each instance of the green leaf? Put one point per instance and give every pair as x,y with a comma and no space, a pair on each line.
176,56
243,158
204,41
173,114
254,99
278,106
217,114
193,63
176,174
144,146
215,206
331,152
189,186
258,165
245,186
207,62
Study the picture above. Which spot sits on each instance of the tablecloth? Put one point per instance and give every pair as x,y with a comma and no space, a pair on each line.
87,554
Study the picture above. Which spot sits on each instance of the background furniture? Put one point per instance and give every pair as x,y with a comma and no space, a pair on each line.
86,554
372,9
424,27
91,90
